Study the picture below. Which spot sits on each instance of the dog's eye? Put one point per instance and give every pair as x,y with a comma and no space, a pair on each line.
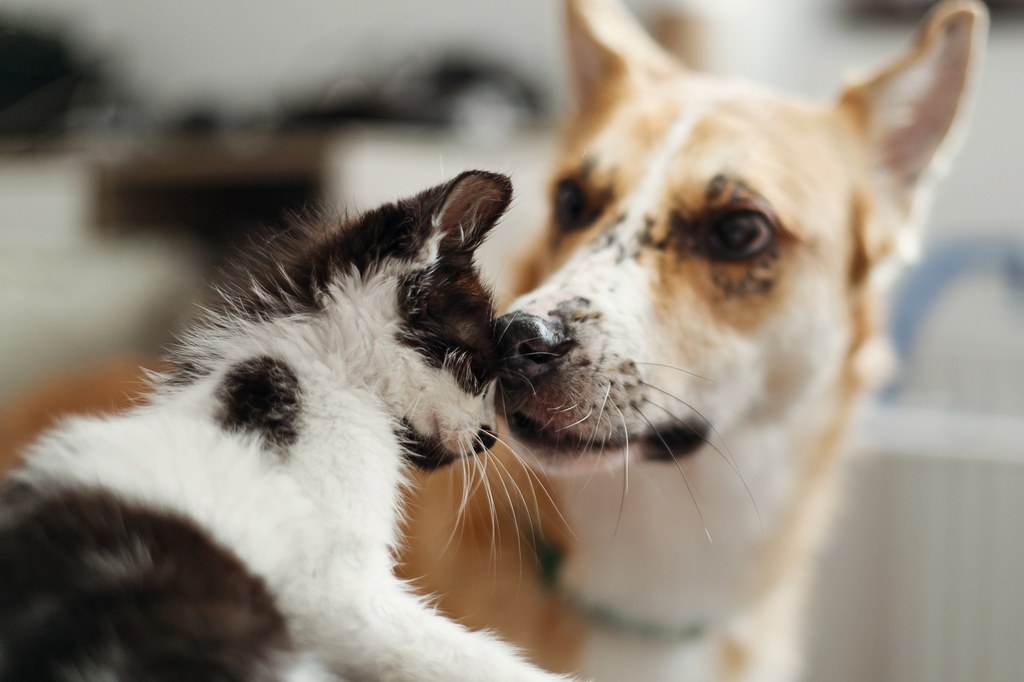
740,235
570,205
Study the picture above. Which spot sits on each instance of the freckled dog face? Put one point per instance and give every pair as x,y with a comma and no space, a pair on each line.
682,286
714,249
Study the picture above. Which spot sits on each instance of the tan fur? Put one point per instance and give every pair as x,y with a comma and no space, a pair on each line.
105,387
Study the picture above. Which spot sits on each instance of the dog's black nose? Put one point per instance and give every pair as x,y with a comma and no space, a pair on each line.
531,345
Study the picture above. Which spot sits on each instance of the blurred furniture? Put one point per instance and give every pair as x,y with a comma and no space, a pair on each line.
217,187
923,579
961,312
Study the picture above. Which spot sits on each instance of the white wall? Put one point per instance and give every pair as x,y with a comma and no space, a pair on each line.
244,54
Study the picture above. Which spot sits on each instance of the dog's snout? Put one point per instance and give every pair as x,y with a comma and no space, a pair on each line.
532,345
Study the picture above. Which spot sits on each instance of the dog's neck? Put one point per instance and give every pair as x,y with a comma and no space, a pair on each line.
694,553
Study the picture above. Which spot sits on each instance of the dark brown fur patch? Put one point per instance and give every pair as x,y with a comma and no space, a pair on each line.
579,198
262,396
447,311
93,583
449,318
296,270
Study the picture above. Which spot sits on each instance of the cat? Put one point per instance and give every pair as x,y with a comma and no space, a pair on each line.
241,524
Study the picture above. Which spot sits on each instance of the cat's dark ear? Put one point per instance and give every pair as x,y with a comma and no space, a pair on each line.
468,207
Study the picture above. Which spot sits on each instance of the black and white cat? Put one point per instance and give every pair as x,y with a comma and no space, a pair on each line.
240,526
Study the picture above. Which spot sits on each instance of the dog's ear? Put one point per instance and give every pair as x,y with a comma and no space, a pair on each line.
607,46
467,208
912,112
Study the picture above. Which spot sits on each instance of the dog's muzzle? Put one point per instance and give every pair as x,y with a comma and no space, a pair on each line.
534,369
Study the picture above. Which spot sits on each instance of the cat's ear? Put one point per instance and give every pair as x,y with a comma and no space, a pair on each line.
450,220
468,207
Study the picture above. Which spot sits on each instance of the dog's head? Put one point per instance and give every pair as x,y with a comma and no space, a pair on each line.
715,250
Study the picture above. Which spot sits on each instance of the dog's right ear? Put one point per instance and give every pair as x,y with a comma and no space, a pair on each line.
607,46
911,115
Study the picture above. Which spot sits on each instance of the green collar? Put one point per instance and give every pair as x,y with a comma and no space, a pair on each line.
550,559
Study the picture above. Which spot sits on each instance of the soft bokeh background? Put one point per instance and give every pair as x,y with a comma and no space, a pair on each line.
139,140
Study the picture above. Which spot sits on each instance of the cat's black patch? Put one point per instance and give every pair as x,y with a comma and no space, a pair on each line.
262,395
447,316
424,452
294,270
94,585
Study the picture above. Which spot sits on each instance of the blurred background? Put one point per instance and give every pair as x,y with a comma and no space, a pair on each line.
140,140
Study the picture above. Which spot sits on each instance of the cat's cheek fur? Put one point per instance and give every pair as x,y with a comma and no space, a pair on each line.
443,410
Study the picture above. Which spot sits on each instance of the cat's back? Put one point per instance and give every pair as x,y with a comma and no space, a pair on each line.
144,575
98,588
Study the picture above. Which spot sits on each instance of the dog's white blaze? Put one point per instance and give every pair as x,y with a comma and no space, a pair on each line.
649,190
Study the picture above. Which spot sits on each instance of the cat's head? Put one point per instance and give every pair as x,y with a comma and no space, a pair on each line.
447,318
412,263
394,294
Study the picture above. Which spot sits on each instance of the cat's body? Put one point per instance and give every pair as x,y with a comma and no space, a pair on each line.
241,525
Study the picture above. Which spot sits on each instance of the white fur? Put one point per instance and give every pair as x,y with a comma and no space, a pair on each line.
318,523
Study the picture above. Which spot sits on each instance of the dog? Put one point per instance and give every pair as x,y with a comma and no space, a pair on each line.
694,330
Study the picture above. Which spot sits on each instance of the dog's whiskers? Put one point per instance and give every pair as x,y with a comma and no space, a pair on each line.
682,472
564,409
731,462
597,422
625,469
535,511
519,375
678,369
533,475
701,416
575,423
727,456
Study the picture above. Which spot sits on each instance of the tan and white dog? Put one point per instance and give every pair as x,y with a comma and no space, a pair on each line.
696,328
